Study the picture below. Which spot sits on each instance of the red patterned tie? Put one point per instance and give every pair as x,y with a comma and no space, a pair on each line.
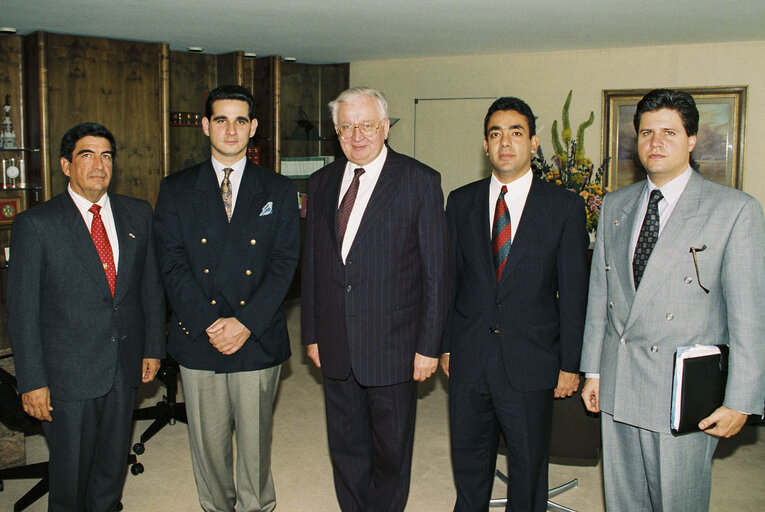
104,248
346,205
501,233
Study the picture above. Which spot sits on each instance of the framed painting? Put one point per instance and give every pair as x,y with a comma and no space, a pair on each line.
719,149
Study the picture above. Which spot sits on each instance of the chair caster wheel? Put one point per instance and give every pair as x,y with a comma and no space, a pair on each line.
138,448
136,468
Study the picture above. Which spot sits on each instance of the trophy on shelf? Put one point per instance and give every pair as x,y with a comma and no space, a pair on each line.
8,137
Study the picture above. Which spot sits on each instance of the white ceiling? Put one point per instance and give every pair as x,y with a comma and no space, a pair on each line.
323,31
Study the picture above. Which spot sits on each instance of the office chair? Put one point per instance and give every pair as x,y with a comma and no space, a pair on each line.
575,442
12,415
166,412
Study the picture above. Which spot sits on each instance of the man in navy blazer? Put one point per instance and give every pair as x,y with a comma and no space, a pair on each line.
514,332
83,341
373,300
227,236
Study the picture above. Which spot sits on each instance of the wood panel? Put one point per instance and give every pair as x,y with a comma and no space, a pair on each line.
10,83
261,77
192,76
117,84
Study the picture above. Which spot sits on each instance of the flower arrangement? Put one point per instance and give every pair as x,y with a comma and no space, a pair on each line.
571,169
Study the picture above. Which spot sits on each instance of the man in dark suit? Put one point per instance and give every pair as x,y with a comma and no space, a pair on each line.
514,332
228,238
86,319
373,300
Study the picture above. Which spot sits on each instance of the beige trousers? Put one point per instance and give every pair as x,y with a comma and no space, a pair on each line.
224,408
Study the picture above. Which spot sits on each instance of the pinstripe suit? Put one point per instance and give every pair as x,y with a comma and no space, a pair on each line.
371,315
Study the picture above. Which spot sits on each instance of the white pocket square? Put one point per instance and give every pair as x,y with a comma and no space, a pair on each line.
268,209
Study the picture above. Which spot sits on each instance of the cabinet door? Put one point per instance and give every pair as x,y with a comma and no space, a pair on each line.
114,83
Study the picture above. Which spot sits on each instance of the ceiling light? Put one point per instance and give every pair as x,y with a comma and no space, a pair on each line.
195,49
7,30
289,59
250,55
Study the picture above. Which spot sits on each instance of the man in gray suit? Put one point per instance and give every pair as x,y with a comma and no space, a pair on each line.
86,318
694,275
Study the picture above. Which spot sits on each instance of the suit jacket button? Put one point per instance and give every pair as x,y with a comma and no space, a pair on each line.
241,303
206,271
670,316
114,339
212,302
180,323
611,304
623,341
253,242
248,272
688,280
187,333
497,331
654,348
204,240
348,288
499,303
608,267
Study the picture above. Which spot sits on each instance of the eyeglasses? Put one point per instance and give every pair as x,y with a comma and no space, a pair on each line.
367,128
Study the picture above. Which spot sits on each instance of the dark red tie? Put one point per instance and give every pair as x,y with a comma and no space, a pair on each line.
501,233
104,248
346,205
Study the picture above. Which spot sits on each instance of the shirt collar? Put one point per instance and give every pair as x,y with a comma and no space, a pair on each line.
84,204
515,188
237,167
673,189
373,168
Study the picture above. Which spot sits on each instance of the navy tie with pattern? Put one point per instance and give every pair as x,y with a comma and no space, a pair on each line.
649,233
501,233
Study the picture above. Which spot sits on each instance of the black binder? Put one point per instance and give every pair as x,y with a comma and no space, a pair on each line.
701,389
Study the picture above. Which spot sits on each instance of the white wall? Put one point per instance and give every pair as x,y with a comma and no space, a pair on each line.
543,80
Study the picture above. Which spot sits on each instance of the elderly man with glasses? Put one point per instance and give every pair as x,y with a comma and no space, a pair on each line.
374,299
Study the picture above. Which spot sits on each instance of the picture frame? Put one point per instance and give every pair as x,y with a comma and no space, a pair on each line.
719,150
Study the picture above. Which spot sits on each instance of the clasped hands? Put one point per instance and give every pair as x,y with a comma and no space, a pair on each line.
227,335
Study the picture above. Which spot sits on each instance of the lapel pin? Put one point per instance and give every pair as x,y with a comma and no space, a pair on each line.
131,235
616,222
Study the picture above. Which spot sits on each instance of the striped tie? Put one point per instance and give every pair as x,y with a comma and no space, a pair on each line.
501,233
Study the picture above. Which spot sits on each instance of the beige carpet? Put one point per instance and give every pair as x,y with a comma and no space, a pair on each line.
303,475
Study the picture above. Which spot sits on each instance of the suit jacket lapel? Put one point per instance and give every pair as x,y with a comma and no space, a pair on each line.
123,222
82,243
478,222
207,197
334,181
528,229
623,241
383,193
686,220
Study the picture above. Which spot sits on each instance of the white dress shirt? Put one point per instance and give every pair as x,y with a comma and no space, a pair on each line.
235,177
515,198
367,183
83,205
671,192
